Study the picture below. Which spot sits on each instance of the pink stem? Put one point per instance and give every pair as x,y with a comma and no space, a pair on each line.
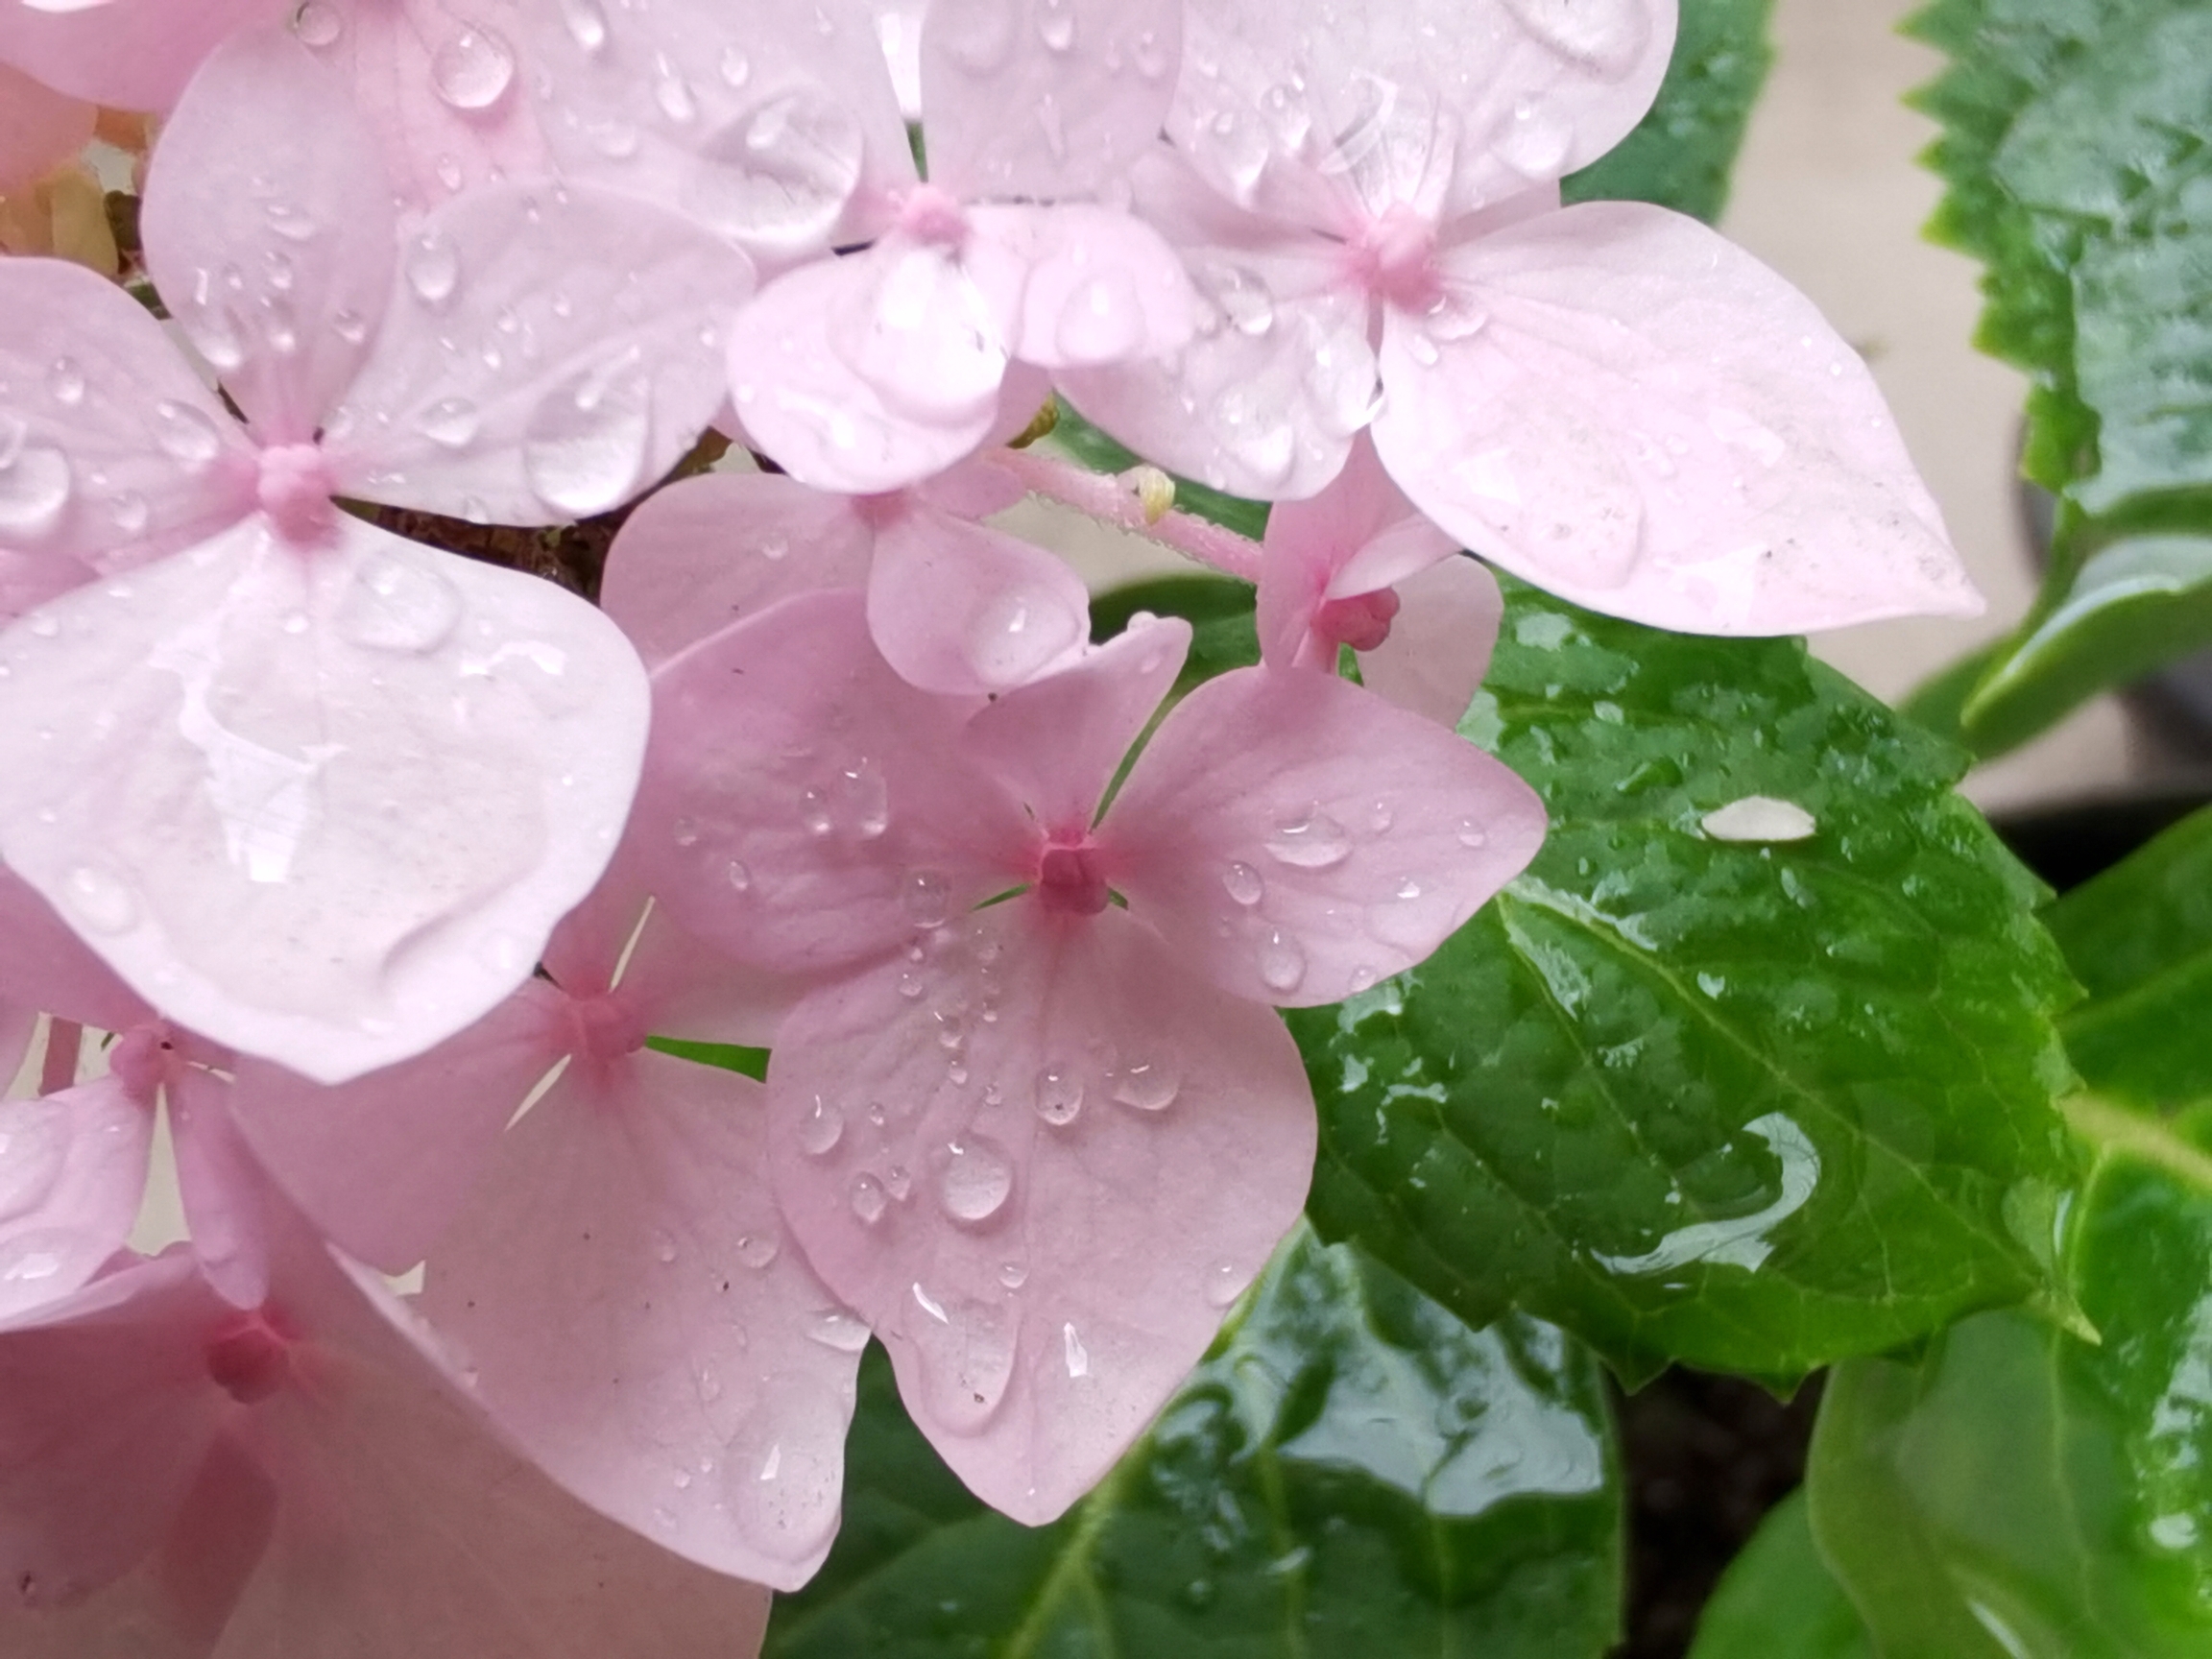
64,1042
1114,499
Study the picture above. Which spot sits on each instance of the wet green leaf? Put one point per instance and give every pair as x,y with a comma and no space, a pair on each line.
1223,634
2073,152
1681,154
1778,1599
1751,1105
1352,1472
2023,1493
752,1063
2139,938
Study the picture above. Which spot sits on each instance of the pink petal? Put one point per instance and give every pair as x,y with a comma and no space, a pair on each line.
1358,535
269,229
1646,421
801,855
958,608
382,1164
119,454
710,551
636,1318
1332,115
1440,640
1298,839
774,125
1043,99
44,966
130,54
594,323
979,487
1076,286
1058,742
224,1190
40,129
1054,1210
72,1172
441,88
680,987
419,764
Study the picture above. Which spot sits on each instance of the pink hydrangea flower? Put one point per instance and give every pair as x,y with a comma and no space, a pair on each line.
1607,399
318,792
1041,1146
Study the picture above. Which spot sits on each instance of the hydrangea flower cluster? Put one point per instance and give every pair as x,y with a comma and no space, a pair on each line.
382,866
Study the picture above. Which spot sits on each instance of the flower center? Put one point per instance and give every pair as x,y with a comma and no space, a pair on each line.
295,487
603,1029
928,214
1069,881
140,1061
249,1358
1394,259
1362,621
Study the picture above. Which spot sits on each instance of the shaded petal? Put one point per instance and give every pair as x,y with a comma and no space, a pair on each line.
635,1319
382,1164
679,986
1095,76
269,229
1298,839
1633,413
713,550
121,454
1077,286
869,373
127,54
72,1172
1358,535
1330,115
802,854
963,608
1058,742
1049,1223
775,126
1440,640
326,810
224,1190
550,352
44,966
39,128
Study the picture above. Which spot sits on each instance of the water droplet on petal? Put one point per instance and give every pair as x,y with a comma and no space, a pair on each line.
1225,1282
396,605
784,1472
1103,321
1282,962
927,898
473,70
1059,1095
975,1181
1149,1085
587,23
740,878
820,1128
673,94
97,902
756,1250
35,482
779,177
1012,1275
451,422
585,445
319,24
1056,25
735,67
34,1153
1605,38
66,381
1313,841
1077,1356
1244,883
869,1199
839,1330
433,268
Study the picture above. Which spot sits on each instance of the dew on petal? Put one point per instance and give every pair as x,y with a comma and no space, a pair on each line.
1225,1282
34,1152
1148,1085
779,177
820,1128
451,422
1313,841
976,1180
66,382
185,435
1103,321
784,1474
1077,1357
1012,1275
838,1329
1059,1095
584,446
1472,835
473,70
587,23
869,1199
757,1250
1244,883
319,23
399,605
35,482
97,902
1282,962
927,898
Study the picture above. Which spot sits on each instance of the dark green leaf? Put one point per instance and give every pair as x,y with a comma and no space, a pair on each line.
1351,1473
2022,1493
2139,938
1778,1599
1749,1106
1681,155
729,1056
1217,608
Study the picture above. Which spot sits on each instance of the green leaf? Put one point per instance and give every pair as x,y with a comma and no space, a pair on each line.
2139,937
2022,1493
1778,1599
1749,1106
2074,151
1352,1472
1223,634
1681,154
752,1063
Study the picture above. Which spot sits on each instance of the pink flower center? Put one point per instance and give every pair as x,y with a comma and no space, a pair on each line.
295,487
928,214
1069,881
140,1061
605,1027
249,1358
1363,621
1395,260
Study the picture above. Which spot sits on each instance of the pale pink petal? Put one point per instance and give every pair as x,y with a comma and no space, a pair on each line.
1043,99
43,965
106,1414
1058,743
1332,115
382,1164
1298,839
115,451
225,1192
710,551
131,54
40,129
799,853
774,125
1440,640
963,608
1077,286
1045,1220
72,1172
869,373
1644,420
440,83
1312,547
322,810
678,986
979,487
590,361
623,1291
269,229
